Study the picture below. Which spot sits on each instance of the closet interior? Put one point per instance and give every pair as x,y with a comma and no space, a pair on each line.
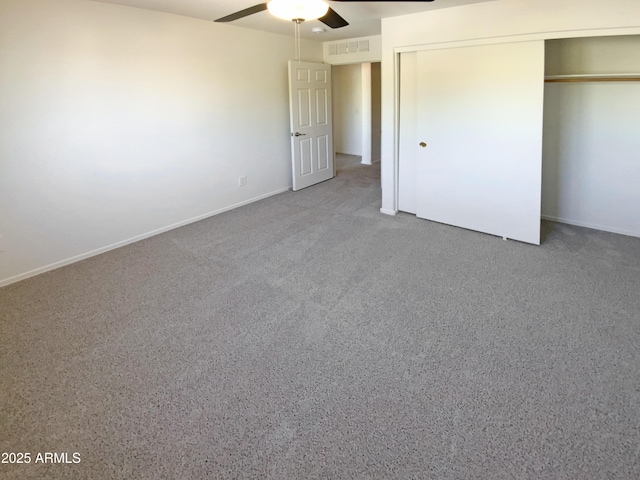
591,133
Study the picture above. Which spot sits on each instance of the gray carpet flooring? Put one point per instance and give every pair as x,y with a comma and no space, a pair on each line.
309,336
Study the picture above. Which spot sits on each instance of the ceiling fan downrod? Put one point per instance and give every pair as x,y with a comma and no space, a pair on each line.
296,35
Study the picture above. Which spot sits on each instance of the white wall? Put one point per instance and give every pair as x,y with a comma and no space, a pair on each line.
591,156
501,20
117,123
347,108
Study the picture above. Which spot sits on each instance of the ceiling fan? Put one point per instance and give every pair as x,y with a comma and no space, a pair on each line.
299,10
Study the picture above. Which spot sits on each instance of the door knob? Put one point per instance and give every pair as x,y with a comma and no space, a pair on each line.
298,134
422,144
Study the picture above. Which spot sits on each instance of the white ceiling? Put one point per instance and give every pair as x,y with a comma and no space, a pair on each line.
363,17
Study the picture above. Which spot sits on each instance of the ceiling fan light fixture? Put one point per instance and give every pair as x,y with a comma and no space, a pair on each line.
298,9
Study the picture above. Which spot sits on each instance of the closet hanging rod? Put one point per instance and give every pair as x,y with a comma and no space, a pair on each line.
621,77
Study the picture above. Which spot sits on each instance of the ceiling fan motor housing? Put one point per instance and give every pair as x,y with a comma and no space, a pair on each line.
298,10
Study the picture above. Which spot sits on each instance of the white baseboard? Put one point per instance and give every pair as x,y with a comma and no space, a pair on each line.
595,226
388,212
137,238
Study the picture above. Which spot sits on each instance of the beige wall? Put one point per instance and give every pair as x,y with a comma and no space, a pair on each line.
347,108
376,111
600,55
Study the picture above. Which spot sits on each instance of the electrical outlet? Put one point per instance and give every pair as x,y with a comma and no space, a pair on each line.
242,181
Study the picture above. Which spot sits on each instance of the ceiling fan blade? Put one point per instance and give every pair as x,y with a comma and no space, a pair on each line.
243,13
333,20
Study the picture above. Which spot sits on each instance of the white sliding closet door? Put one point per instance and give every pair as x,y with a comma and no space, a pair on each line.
479,112
408,140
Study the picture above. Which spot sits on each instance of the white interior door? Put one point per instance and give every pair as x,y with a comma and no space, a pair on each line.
311,128
479,114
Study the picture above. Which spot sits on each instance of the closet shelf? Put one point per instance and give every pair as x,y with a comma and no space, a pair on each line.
595,77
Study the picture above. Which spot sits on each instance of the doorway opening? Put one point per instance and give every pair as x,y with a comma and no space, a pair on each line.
356,113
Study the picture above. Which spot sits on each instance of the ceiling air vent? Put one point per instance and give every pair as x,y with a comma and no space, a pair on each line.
348,47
